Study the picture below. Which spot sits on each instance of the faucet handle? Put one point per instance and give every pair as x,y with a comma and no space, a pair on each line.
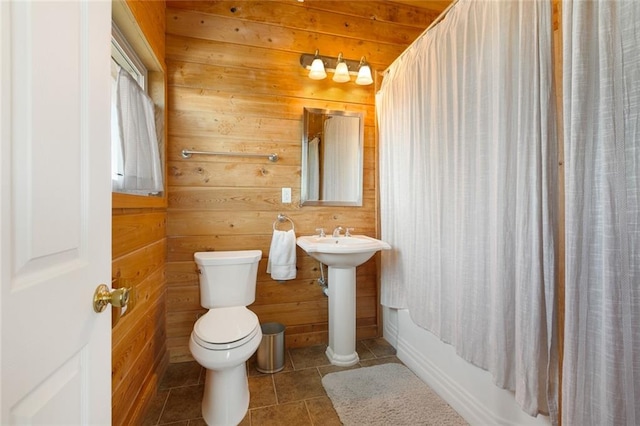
348,232
320,232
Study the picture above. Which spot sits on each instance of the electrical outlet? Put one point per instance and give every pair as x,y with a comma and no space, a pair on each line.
286,195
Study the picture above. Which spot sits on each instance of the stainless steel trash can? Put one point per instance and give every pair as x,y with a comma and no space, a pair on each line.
271,349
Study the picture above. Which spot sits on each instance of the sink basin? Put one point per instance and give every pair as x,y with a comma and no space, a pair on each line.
341,252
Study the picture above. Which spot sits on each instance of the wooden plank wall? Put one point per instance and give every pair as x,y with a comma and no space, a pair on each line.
560,236
235,85
139,350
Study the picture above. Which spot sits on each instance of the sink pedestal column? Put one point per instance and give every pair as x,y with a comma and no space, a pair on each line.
342,316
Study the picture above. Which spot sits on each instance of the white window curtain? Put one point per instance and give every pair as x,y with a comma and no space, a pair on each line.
340,179
136,165
601,71
467,181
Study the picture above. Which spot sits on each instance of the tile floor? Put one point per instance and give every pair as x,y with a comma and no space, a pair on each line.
294,396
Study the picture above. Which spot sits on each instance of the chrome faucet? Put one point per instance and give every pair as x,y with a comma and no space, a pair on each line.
336,232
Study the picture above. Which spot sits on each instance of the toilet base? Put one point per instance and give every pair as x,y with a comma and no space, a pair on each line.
226,396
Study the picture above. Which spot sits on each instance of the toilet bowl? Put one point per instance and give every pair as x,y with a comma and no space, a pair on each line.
226,336
226,393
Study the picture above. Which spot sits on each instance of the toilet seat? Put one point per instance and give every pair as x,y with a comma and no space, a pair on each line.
226,328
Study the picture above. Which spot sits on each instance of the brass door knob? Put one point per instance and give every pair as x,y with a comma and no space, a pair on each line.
118,297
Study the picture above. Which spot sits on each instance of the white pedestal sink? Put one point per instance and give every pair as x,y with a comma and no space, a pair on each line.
342,255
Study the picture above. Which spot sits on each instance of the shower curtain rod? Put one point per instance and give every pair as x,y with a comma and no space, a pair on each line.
433,24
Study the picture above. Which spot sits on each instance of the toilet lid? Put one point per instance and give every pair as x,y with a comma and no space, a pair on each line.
225,325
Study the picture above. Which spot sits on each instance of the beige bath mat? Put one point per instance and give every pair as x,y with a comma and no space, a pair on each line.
387,394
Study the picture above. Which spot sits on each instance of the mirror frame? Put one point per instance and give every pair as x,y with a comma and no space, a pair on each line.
305,148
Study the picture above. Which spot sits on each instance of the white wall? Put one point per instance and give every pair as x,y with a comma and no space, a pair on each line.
468,389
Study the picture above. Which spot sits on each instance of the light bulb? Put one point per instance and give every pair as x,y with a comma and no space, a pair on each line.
342,72
364,76
317,71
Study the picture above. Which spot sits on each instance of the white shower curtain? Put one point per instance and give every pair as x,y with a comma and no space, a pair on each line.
340,179
467,181
601,69
313,169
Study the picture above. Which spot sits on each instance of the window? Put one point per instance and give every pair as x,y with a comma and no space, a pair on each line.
135,164
123,55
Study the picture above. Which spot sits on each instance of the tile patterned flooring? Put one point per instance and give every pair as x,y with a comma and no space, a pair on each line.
294,396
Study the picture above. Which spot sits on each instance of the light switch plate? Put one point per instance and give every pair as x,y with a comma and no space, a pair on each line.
286,195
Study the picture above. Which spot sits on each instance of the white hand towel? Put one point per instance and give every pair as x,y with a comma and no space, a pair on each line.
282,255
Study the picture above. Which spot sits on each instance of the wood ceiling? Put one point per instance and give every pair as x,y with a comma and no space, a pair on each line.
435,5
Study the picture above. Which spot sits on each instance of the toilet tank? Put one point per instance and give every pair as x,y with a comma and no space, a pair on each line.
227,278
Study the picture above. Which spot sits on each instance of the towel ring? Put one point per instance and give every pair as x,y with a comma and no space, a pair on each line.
281,219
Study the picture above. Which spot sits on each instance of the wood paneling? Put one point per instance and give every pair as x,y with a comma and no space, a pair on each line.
236,85
560,236
139,250
150,18
139,353
268,36
136,230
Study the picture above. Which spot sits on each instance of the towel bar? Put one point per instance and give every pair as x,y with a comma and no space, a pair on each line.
186,153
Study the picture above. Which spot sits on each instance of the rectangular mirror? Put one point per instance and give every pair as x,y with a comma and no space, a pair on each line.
332,150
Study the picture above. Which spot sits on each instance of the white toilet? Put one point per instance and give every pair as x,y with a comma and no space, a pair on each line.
224,338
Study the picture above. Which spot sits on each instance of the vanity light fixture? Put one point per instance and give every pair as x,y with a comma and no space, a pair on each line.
342,68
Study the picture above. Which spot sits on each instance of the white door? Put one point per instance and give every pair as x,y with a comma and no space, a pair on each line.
55,212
